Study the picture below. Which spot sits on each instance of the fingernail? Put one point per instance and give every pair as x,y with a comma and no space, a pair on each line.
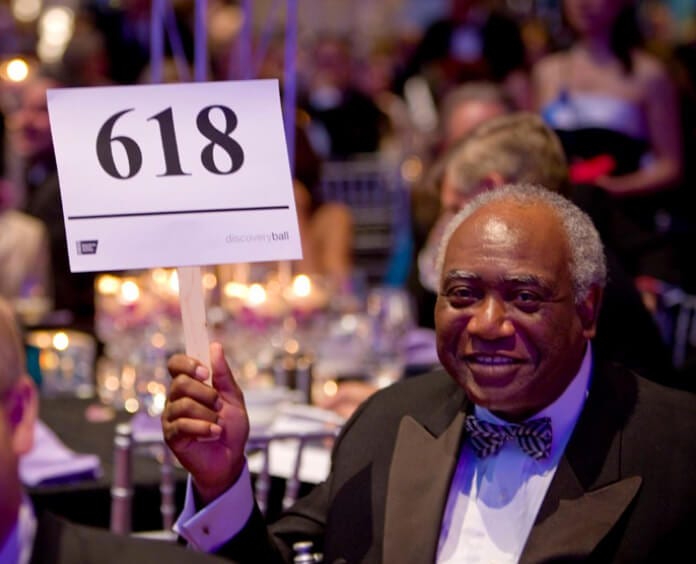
201,373
218,404
215,430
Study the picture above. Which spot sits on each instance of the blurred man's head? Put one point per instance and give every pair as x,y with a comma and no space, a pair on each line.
521,277
29,124
18,412
468,106
514,148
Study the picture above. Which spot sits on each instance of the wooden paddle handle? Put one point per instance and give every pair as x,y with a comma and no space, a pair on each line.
193,315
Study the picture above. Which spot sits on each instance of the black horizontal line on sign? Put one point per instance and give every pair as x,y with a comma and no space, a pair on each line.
176,212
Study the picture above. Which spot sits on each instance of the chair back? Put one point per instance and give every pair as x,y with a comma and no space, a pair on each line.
377,195
262,445
122,483
259,444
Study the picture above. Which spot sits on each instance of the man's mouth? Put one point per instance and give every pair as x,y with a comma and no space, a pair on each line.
491,359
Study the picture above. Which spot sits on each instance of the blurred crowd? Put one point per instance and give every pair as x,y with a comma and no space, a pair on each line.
613,80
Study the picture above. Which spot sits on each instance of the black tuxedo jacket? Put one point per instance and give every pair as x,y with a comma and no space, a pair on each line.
624,490
59,542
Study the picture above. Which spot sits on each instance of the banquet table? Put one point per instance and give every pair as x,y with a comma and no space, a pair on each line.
87,500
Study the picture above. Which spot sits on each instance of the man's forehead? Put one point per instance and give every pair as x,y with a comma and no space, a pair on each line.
511,237
507,218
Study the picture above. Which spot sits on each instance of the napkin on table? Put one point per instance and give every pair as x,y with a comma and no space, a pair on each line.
316,459
50,461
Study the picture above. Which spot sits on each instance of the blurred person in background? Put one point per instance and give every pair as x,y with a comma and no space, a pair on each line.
345,122
464,108
616,111
474,42
326,228
30,135
24,254
125,27
85,61
374,75
45,538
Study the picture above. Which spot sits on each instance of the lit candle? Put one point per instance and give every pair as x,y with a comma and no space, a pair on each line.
66,361
262,305
304,296
234,296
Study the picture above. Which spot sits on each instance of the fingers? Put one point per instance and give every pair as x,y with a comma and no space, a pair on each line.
192,407
180,430
187,407
184,386
182,364
190,398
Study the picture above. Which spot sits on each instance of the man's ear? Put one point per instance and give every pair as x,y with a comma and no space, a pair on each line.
22,409
588,310
491,181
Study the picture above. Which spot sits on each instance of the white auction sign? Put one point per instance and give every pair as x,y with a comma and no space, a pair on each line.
173,175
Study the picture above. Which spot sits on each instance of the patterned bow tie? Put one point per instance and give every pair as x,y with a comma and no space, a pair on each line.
534,437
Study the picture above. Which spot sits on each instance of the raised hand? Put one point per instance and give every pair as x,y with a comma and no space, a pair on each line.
206,427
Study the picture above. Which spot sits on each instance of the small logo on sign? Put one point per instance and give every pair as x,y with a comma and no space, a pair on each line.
87,247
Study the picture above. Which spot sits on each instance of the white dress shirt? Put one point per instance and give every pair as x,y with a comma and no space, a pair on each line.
220,520
494,501
19,543
506,489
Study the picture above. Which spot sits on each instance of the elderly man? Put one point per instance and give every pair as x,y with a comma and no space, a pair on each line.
48,539
523,450
520,147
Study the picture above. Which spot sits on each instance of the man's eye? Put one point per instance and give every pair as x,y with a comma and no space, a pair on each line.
460,296
527,300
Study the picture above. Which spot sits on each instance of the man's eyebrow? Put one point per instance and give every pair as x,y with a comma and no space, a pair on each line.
460,275
526,279
518,279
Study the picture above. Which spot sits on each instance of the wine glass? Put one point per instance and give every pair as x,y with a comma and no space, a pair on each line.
391,311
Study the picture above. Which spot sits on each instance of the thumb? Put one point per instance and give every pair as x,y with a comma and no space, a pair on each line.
223,380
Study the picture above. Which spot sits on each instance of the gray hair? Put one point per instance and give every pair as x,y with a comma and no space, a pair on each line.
587,262
519,146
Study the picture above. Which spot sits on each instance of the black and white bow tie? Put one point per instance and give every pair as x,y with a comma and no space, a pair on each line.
534,437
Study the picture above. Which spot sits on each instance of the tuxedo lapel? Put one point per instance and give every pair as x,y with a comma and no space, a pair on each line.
419,480
588,493
576,526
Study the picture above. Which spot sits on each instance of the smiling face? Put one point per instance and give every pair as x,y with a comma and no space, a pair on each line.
508,328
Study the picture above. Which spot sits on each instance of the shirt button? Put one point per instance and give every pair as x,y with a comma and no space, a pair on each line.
206,530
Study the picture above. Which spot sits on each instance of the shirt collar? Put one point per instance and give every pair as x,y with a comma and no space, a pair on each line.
19,543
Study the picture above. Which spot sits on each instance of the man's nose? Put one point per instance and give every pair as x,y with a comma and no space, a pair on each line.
490,320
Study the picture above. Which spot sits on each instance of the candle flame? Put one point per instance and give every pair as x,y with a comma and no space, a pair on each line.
174,282
130,292
302,285
160,276
257,295
236,290
61,341
108,285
